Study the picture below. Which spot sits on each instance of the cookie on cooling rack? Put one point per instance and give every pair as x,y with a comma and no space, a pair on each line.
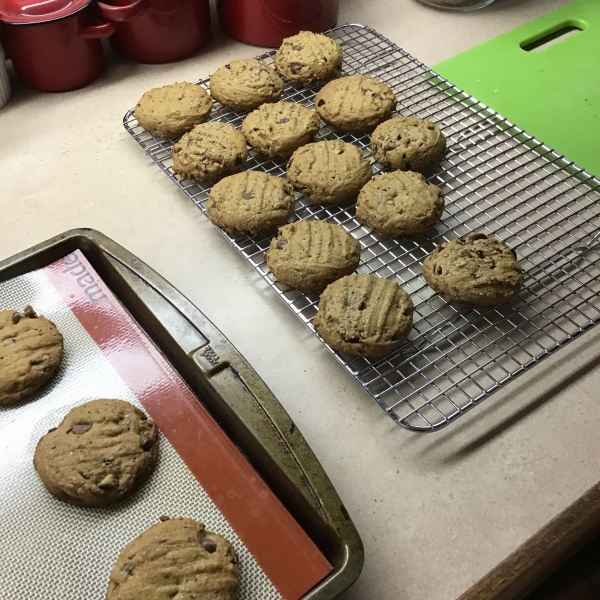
175,558
31,348
399,203
309,255
408,144
245,84
355,103
329,171
209,152
100,453
308,58
250,202
279,129
364,315
171,110
477,269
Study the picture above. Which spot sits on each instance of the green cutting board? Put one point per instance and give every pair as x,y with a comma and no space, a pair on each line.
552,93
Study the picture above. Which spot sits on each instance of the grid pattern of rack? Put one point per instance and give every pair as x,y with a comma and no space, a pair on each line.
496,179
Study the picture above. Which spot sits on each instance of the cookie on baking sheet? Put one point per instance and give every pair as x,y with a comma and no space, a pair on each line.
171,110
476,269
100,453
408,144
309,57
31,349
309,255
250,202
279,129
364,315
209,152
399,203
176,558
245,84
355,103
329,171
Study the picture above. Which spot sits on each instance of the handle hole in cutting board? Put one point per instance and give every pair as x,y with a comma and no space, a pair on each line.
550,39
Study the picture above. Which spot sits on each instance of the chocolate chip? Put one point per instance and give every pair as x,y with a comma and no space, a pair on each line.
284,120
341,151
29,312
354,340
475,236
52,429
107,463
128,568
281,244
295,68
297,48
210,159
378,96
440,247
164,518
145,442
439,271
80,428
228,67
320,102
209,545
388,148
362,306
16,317
248,195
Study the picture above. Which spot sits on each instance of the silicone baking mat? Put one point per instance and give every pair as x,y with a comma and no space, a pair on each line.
54,550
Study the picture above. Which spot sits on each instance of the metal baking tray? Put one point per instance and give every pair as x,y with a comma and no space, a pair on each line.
497,179
228,388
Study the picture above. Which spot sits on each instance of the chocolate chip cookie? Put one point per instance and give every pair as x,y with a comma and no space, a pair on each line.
399,203
100,453
176,558
250,202
308,58
279,129
171,110
245,84
355,103
31,349
209,152
364,315
408,144
309,255
477,269
329,172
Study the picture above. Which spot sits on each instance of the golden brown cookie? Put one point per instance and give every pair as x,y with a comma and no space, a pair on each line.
171,110
100,453
175,559
309,255
477,269
245,84
364,315
309,57
31,349
209,152
355,103
408,144
250,202
279,129
329,172
399,203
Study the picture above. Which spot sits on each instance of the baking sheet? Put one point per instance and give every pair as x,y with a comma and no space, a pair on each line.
54,550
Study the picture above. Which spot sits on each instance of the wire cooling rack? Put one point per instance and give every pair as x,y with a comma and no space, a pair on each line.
496,179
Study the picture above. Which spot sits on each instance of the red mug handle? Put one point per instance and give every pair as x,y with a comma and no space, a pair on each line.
124,13
97,31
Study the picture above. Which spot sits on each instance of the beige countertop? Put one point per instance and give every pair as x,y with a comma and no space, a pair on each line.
436,512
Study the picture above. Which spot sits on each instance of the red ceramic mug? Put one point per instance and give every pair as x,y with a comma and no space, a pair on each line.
54,45
155,31
267,22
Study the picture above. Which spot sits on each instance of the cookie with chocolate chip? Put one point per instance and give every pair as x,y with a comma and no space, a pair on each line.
477,269
176,558
355,103
309,255
308,58
250,202
364,315
245,84
209,152
100,453
171,110
31,348
281,128
408,144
